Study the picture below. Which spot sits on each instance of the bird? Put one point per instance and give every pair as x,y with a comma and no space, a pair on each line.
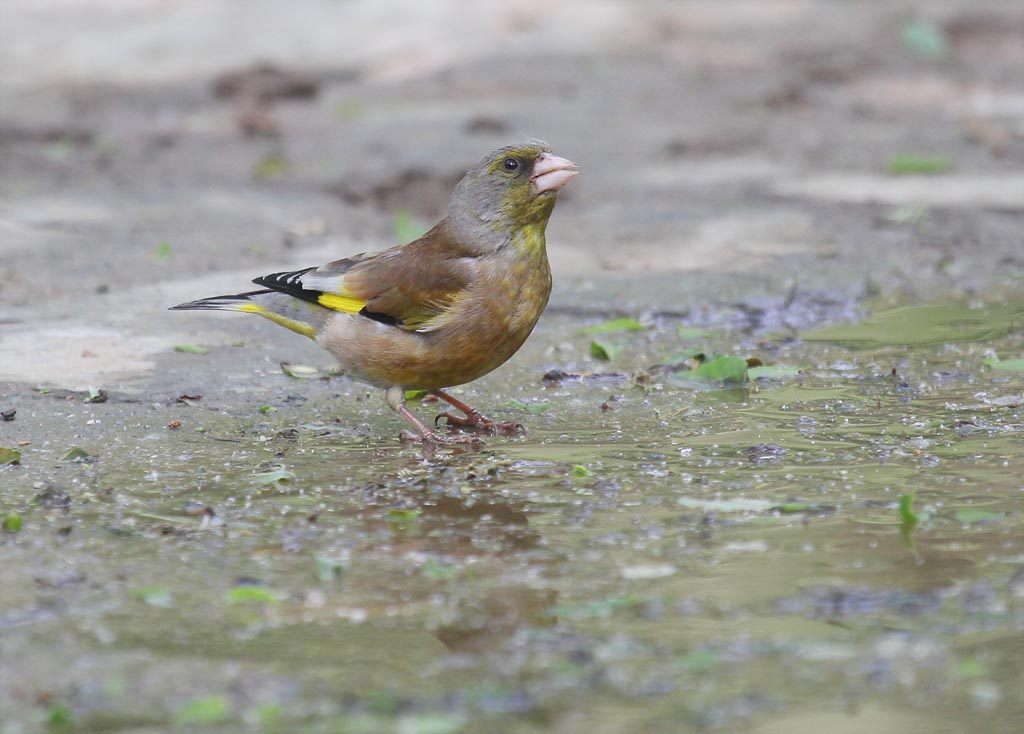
439,311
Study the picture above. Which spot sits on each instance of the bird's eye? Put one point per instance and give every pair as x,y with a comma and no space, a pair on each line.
510,164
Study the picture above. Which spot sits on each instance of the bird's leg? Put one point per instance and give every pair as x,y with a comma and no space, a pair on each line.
396,401
475,419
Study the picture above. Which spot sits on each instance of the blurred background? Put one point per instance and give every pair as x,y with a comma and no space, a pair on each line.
851,145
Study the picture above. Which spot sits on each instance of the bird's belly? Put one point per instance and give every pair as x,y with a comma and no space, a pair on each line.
386,355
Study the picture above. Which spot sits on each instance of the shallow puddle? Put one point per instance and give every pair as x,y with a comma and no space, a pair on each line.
649,558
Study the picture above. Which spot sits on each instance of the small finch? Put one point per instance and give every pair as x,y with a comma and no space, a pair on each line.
441,310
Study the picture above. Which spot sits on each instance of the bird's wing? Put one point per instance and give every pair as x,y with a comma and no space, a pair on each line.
407,286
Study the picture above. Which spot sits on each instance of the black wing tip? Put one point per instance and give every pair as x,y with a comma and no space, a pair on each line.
290,282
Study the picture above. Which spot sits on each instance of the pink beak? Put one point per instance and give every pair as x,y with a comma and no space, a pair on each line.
550,173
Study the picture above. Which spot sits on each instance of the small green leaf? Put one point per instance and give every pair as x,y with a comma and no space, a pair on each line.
269,167
12,522
911,164
925,39
581,471
614,326
908,518
400,516
1011,365
408,229
156,595
326,568
190,349
969,515
301,371
9,456
270,716
266,409
75,454
204,711
278,476
96,395
163,251
793,508
727,370
243,594
687,333
603,350
59,720
404,521
700,661
411,395
437,571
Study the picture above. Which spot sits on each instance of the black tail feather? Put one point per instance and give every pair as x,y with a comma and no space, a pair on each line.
217,303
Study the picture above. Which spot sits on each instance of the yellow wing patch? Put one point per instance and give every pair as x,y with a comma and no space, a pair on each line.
345,304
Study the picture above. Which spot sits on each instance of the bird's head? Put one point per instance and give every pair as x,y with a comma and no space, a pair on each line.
513,187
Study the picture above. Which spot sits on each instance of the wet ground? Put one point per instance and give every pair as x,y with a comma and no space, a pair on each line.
194,540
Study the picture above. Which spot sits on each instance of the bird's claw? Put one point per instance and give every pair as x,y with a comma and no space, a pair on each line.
432,439
477,422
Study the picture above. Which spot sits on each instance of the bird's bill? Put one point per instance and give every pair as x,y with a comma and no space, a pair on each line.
550,173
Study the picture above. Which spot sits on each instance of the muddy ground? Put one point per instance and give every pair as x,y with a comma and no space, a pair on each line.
753,171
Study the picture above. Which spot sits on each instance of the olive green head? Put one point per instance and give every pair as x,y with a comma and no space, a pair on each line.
513,187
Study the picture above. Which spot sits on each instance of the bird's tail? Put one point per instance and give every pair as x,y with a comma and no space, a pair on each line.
300,316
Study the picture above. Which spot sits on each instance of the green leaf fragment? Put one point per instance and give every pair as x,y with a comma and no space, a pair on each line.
402,517
326,568
969,515
1010,365
411,395
12,522
9,456
278,476
911,164
699,661
727,370
581,471
301,371
206,710
434,570
190,349
76,454
156,595
96,395
272,166
163,251
614,326
243,594
603,351
266,409
908,518
59,720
